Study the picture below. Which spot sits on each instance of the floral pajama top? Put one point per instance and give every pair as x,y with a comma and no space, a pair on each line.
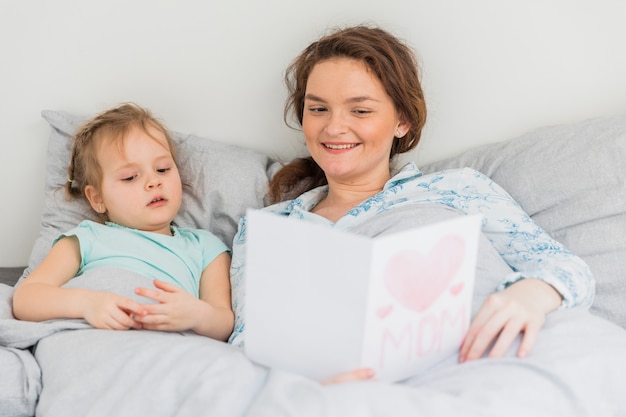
524,245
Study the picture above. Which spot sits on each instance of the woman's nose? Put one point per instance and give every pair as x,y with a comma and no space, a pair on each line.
336,124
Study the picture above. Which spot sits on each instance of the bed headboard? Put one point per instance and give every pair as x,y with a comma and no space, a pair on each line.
491,71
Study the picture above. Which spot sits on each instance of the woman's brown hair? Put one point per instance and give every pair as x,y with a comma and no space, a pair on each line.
394,64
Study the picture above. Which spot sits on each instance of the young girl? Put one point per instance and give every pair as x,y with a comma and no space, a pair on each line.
123,163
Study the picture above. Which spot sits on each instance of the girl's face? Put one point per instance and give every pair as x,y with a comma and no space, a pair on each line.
349,123
141,186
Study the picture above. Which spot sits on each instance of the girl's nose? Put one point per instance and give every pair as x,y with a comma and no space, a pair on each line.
153,181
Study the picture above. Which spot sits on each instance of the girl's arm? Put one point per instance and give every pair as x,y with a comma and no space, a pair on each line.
177,310
41,296
215,291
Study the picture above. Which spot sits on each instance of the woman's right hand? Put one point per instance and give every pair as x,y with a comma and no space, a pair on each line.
105,310
362,374
519,309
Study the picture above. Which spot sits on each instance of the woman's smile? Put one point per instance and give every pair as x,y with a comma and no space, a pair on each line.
339,146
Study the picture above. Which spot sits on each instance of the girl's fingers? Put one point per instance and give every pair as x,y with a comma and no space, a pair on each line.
160,293
159,296
131,306
165,286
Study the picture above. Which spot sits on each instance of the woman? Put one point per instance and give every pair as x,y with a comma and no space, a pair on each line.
357,96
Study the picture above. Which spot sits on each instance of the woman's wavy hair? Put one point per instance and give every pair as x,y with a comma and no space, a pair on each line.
391,60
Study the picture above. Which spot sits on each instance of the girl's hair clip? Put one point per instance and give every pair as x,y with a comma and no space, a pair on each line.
70,180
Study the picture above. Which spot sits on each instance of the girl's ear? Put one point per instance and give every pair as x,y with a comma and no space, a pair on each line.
95,199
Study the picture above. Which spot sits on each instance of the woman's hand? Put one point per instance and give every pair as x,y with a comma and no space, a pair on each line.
175,310
362,374
520,308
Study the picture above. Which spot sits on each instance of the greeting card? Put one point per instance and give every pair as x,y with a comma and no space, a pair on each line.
322,301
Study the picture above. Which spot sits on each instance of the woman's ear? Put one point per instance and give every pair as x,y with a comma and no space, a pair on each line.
95,199
402,129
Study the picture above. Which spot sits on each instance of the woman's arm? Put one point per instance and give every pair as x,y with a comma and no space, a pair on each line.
522,243
547,275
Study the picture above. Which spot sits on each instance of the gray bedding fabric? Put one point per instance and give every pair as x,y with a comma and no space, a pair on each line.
9,276
576,369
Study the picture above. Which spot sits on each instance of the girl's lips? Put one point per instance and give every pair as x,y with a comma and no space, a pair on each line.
157,202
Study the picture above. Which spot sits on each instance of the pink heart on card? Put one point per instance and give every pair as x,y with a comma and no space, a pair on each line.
456,289
416,279
384,311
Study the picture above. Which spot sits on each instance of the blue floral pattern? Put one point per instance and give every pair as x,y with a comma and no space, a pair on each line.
523,244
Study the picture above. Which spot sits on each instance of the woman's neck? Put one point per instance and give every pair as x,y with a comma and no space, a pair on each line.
341,199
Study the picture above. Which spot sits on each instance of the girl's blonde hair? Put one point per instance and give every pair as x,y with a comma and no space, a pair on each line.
113,124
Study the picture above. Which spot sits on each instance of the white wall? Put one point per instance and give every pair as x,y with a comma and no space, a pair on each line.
492,70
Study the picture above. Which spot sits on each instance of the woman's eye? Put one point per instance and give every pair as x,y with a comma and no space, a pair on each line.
362,112
317,109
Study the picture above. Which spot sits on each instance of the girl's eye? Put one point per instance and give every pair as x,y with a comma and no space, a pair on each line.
129,179
163,170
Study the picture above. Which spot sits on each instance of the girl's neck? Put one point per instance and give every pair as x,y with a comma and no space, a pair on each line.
168,231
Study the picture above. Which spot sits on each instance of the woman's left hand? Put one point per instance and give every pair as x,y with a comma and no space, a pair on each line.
361,374
520,308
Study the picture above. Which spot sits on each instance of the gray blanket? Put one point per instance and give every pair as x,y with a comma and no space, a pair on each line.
576,369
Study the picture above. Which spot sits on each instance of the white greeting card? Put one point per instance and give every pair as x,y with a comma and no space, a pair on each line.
320,301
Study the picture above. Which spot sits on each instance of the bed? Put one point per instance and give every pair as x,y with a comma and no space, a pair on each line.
569,178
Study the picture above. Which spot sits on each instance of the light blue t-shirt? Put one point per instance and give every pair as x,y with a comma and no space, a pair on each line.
522,243
178,259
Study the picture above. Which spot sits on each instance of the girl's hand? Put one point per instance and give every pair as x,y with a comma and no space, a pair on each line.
176,309
520,308
104,310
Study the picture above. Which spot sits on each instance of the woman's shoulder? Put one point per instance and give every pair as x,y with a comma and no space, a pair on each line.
467,174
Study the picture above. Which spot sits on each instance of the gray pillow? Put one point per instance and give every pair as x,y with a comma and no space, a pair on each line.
224,180
571,180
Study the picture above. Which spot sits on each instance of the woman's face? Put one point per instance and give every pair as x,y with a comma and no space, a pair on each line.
349,123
